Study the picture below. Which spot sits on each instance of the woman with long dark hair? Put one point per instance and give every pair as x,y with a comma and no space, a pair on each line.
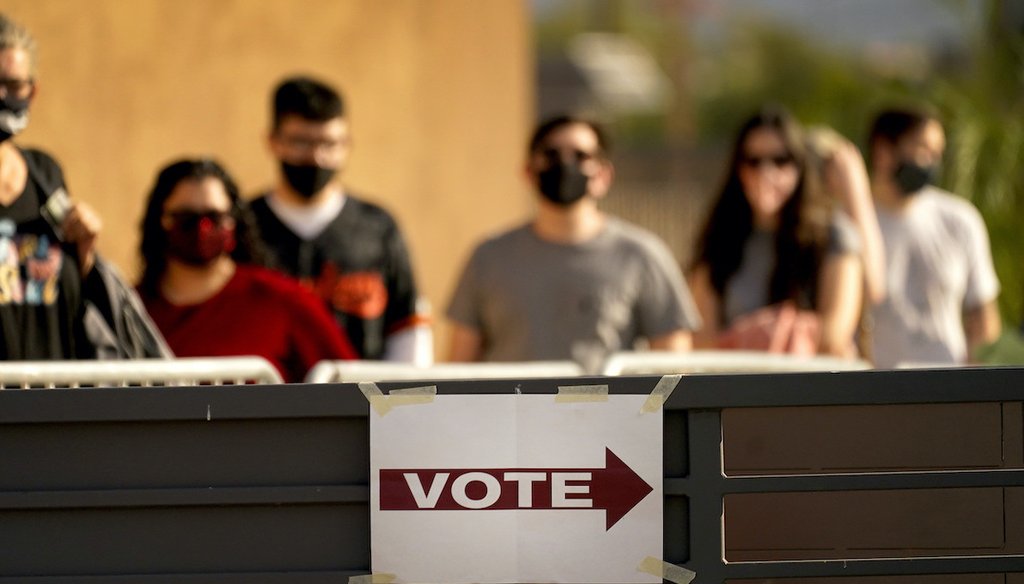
203,284
776,268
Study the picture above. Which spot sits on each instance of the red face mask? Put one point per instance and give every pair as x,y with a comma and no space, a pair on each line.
199,238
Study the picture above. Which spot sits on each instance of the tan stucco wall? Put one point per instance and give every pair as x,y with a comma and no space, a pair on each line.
439,95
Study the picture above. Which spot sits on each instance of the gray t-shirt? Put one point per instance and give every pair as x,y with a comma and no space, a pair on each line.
748,289
938,265
531,299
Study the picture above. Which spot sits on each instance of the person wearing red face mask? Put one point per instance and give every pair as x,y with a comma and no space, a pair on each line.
204,287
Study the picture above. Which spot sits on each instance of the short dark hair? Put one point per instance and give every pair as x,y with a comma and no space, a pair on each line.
548,127
892,124
308,98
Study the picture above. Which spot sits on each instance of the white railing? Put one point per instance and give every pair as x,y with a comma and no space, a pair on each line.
242,370
664,362
355,371
141,372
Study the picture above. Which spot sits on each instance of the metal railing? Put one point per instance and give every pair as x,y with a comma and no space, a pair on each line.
271,484
356,371
140,372
706,485
664,362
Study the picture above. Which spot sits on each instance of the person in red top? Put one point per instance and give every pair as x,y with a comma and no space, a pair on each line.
203,284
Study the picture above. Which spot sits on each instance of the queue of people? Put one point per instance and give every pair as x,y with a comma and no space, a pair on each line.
206,285
803,251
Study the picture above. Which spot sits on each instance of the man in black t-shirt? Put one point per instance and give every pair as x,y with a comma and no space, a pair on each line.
46,258
349,251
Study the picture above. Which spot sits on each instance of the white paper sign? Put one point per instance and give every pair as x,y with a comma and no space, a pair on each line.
516,488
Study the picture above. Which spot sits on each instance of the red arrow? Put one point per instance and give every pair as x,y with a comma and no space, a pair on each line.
614,488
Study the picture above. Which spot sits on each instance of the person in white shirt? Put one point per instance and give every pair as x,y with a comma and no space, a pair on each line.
941,286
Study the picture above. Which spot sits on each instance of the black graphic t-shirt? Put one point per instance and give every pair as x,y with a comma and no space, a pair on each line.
358,265
40,283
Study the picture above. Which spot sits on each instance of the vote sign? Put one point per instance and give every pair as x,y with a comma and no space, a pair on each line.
516,488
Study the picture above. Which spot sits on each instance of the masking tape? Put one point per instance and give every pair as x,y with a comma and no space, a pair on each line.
377,399
581,393
660,394
666,571
399,397
372,579
412,396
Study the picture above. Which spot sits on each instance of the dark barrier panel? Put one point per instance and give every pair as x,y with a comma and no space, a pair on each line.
859,471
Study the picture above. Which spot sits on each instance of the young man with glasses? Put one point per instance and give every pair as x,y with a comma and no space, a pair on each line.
573,283
349,251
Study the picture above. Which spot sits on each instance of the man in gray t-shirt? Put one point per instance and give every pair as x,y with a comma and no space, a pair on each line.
941,287
573,283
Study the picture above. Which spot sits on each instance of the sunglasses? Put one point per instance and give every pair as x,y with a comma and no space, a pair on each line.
777,161
192,219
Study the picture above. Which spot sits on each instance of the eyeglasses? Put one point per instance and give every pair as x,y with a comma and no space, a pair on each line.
778,161
305,145
552,156
19,88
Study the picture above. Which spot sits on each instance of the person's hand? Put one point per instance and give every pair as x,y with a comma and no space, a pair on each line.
81,227
779,328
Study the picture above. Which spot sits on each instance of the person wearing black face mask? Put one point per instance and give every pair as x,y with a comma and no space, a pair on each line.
572,283
348,250
52,281
206,288
942,287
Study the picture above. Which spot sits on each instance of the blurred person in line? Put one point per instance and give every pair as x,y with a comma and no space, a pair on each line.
204,287
573,282
844,178
942,288
349,251
58,300
777,268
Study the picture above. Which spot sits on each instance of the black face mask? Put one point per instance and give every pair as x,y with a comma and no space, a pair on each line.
563,184
307,179
911,177
13,117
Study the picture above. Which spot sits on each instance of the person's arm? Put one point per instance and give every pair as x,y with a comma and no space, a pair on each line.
466,344
707,301
679,340
982,326
411,344
847,177
81,227
981,320
839,303
409,338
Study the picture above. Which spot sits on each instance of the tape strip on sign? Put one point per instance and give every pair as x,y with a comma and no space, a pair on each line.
666,571
660,394
372,579
398,397
581,393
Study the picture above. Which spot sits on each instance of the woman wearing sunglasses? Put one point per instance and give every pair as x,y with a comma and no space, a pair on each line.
776,268
203,285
